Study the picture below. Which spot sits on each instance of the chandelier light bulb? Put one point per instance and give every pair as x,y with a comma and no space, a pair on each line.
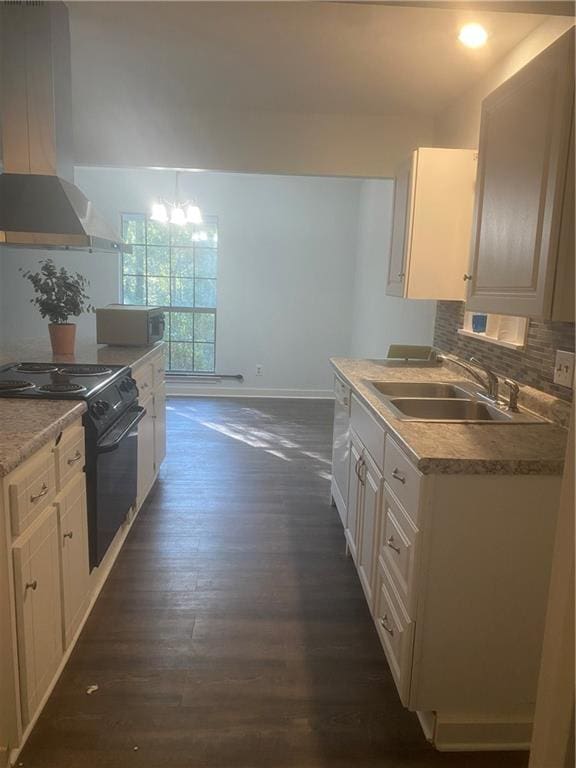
193,215
177,216
159,213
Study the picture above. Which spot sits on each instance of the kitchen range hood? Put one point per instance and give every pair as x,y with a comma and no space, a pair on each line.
40,207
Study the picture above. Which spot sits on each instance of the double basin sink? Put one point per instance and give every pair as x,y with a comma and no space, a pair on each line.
441,401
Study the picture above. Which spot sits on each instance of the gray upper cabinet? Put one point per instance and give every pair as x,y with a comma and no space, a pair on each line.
522,256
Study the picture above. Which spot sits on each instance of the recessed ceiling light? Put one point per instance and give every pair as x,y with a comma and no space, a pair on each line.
473,35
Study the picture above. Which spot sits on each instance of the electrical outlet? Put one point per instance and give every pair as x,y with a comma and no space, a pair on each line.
259,370
564,369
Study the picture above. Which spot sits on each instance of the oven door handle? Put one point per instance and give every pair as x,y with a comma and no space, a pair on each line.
109,447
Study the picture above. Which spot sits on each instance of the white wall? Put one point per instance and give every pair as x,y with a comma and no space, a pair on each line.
286,266
380,320
315,144
20,319
458,125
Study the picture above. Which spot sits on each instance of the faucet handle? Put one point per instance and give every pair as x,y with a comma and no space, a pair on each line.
514,392
490,375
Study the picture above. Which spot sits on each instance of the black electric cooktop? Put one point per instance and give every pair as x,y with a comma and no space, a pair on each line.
75,381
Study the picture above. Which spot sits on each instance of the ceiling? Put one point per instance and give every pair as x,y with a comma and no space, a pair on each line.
281,57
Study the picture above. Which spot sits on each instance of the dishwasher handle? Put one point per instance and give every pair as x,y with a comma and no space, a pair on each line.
107,445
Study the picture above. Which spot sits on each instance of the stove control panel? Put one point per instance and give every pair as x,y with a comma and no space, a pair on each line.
100,408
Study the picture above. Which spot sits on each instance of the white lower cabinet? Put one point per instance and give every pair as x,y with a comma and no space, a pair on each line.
146,453
159,425
354,497
455,570
73,537
371,496
395,629
38,609
149,378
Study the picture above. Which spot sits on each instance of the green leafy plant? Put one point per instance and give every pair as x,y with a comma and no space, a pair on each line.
60,294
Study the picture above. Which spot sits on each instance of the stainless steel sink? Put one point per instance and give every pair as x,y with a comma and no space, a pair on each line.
448,410
457,410
419,389
446,401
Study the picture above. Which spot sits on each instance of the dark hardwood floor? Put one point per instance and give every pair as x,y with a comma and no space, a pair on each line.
233,631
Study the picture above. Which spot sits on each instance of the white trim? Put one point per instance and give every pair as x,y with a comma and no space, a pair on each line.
453,733
185,389
503,330
490,339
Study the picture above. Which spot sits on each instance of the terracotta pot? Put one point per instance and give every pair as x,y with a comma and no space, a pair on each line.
62,338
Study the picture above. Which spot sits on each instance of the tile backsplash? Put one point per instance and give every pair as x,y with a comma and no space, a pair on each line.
532,365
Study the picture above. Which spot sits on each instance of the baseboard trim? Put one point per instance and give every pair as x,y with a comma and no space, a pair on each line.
182,389
461,733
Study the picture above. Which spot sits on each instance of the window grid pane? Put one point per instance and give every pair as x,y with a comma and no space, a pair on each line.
175,268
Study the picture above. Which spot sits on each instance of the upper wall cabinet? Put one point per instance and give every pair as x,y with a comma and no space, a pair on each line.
432,220
523,234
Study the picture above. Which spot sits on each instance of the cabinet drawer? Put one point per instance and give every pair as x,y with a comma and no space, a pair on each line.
30,489
69,455
144,378
403,478
396,633
369,431
398,549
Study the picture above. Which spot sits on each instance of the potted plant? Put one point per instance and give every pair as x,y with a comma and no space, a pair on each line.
60,295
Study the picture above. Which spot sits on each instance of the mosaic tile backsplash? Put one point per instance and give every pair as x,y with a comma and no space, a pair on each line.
532,365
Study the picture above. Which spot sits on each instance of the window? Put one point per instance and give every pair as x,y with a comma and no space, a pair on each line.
175,267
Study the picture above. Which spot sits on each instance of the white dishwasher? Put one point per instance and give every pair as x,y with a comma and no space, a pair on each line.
341,447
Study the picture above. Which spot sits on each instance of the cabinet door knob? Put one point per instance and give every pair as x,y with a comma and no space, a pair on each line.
69,535
467,276
390,543
43,491
77,456
31,585
384,624
397,475
401,275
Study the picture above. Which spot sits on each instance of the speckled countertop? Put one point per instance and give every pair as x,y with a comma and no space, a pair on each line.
27,425
38,350
444,448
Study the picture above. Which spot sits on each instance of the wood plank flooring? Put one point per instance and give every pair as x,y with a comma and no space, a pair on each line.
233,631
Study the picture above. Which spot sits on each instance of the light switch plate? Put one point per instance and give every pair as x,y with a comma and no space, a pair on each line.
564,369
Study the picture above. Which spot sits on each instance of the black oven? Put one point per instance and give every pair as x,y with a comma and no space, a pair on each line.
111,476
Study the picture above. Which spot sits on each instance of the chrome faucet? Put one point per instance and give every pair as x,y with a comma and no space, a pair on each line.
513,395
490,384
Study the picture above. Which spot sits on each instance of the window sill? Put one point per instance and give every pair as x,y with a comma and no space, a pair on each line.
491,339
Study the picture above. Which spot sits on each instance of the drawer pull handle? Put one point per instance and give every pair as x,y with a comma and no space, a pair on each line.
31,585
43,491
69,535
77,456
384,624
390,543
397,475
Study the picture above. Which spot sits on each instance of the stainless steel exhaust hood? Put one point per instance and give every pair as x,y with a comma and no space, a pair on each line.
40,207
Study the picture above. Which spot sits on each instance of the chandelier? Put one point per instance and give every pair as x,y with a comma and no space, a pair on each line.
177,212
